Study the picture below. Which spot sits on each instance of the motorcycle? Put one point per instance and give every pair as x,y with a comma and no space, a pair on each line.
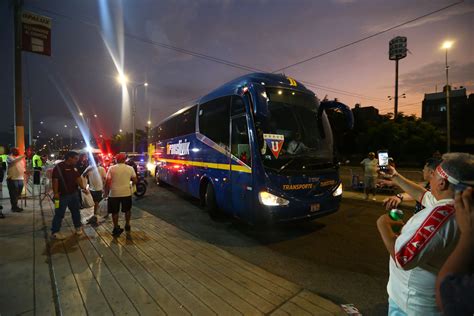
141,185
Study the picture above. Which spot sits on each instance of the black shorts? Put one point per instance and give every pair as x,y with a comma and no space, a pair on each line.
96,196
114,203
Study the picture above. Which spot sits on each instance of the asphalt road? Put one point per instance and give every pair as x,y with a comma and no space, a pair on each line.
339,257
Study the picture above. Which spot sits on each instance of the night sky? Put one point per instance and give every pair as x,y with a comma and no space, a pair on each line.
92,40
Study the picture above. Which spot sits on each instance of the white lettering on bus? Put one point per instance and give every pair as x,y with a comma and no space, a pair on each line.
181,148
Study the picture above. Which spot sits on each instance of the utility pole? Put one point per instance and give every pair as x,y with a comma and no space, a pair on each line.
19,119
30,124
447,45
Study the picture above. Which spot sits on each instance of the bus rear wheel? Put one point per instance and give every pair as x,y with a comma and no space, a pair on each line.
210,203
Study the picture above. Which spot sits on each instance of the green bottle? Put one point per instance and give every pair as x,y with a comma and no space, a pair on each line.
396,215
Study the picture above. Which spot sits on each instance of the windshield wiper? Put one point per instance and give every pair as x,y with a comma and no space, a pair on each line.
289,162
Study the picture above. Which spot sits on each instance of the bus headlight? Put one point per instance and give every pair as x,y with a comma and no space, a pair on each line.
271,200
338,190
150,166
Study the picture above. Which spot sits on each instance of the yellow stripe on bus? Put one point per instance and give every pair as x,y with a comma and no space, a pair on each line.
211,165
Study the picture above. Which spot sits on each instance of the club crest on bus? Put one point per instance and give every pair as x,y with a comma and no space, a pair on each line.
274,142
180,149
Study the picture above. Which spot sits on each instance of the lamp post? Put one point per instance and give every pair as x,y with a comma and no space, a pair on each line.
447,45
122,78
148,131
134,110
87,120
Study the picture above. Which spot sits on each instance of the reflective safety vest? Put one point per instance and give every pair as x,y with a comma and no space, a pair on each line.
3,162
37,162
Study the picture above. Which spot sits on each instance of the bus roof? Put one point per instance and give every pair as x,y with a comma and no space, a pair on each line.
268,79
231,87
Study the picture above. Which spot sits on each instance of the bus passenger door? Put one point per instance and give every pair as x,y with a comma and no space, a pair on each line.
240,168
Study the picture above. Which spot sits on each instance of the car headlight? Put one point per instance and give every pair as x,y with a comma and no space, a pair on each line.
338,190
271,200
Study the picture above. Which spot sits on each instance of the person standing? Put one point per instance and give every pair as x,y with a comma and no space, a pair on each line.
37,167
420,249
96,175
119,192
66,180
15,177
370,165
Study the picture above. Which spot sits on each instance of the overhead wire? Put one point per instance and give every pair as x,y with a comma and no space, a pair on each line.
250,68
368,37
213,58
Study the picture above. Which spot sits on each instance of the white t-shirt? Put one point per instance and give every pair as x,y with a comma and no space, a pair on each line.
95,174
370,167
120,176
16,167
424,244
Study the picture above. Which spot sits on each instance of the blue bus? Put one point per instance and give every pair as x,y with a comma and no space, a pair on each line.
258,148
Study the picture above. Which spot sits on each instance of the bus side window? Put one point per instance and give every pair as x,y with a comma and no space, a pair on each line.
240,146
214,120
238,106
186,122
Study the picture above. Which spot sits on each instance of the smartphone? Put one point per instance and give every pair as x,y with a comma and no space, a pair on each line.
383,159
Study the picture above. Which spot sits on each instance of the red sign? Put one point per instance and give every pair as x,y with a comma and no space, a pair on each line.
35,33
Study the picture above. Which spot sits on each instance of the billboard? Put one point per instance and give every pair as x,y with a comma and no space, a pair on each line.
35,33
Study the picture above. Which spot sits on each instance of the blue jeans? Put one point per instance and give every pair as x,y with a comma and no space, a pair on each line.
65,201
14,189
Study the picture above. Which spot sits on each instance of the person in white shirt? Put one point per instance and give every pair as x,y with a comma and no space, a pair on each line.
96,175
426,240
370,165
296,145
118,188
15,177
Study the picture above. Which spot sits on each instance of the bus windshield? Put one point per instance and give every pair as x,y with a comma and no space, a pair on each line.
294,115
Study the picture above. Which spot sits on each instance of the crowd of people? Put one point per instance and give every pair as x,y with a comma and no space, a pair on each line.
72,177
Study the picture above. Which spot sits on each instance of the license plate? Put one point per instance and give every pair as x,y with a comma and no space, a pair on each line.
315,207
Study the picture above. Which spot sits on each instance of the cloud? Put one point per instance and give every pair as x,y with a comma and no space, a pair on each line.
437,17
425,78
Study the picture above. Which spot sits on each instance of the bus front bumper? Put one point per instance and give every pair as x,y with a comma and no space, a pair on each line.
300,210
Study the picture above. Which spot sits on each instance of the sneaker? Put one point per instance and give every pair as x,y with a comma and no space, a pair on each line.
117,231
17,209
127,228
79,231
92,220
57,236
1,215
374,199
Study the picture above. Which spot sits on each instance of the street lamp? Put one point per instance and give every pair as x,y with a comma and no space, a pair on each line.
134,110
148,131
87,122
446,46
123,80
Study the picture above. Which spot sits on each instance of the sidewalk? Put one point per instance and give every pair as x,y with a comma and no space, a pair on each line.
156,269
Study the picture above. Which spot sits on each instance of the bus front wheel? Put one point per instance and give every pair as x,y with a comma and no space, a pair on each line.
210,203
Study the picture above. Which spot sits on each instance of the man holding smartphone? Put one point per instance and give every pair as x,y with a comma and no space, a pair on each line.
427,239
370,165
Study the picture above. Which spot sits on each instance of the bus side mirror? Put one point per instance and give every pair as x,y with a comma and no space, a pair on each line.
340,107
